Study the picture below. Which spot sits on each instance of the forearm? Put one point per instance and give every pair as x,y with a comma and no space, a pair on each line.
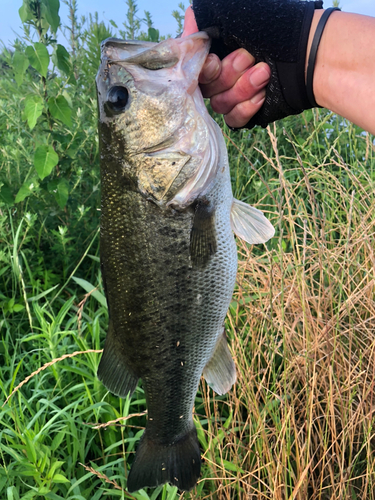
344,77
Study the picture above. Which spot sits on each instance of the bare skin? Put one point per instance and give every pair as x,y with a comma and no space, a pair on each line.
235,85
344,77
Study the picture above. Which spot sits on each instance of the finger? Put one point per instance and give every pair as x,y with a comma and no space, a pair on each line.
246,87
244,111
190,26
232,67
211,69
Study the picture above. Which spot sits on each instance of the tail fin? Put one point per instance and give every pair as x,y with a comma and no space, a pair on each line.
178,463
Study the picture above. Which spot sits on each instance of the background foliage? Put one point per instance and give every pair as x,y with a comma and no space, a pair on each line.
299,422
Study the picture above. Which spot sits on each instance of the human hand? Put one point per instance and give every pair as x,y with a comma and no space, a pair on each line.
235,85
275,32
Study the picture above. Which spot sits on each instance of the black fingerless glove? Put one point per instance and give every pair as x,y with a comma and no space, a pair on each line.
273,31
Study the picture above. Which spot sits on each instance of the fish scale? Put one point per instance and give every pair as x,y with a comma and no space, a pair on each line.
168,255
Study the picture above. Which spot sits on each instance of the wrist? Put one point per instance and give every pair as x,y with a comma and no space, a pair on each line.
345,68
316,18
318,48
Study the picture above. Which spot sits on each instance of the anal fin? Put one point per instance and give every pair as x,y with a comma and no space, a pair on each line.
249,223
220,371
203,234
113,372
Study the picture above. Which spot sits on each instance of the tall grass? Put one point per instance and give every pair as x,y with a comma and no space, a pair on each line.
298,424
302,325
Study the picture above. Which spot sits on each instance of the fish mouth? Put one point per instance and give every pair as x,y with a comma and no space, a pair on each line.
189,51
136,47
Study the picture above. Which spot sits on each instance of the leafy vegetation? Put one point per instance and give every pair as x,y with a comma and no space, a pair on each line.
299,422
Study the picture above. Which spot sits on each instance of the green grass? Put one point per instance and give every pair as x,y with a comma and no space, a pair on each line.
299,422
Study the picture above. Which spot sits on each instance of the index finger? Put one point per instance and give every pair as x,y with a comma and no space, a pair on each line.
190,25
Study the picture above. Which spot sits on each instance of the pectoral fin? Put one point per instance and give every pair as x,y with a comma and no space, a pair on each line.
113,371
203,234
220,371
249,223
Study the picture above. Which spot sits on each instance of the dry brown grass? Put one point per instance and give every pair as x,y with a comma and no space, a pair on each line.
105,478
303,337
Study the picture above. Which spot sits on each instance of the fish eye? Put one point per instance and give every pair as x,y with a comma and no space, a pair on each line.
117,99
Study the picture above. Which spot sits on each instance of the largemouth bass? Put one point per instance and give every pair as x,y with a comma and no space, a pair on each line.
168,255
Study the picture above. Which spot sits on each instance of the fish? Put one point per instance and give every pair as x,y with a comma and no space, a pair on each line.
167,250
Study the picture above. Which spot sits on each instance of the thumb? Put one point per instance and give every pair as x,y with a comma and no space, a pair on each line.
190,26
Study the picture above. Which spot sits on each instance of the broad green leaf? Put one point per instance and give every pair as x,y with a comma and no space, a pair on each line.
45,462
3,481
153,34
51,12
18,307
61,59
56,465
12,493
26,189
19,458
57,440
72,151
38,57
93,257
68,97
30,471
45,158
113,23
33,109
30,449
25,12
59,478
89,288
20,65
44,24
30,495
53,496
60,190
43,490
59,109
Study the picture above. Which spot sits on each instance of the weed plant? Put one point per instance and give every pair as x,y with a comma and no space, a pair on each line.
298,424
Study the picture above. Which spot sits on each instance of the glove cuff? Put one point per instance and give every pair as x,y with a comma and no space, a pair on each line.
292,74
